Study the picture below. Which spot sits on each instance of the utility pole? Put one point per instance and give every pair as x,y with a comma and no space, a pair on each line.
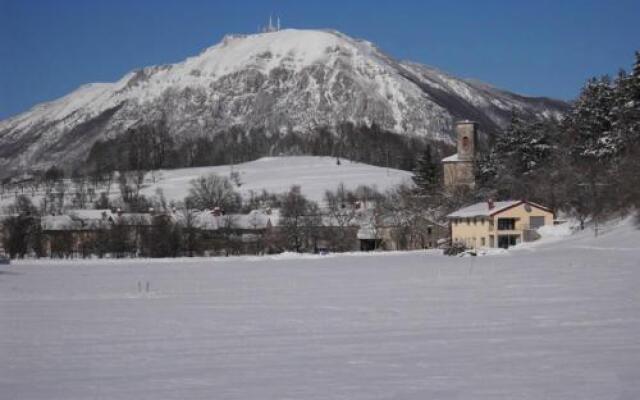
387,162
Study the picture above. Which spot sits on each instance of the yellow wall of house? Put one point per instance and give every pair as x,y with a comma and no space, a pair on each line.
522,216
471,233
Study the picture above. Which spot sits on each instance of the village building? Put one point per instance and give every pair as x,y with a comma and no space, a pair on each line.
251,233
498,224
459,169
399,231
82,232
63,236
74,233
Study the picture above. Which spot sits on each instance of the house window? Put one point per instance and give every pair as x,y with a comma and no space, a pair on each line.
536,222
429,230
483,241
506,224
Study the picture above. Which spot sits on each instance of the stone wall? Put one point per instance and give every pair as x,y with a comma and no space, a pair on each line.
459,173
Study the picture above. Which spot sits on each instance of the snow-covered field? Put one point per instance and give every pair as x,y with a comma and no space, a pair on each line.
315,175
559,320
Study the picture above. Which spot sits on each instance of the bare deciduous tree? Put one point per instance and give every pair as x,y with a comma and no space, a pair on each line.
213,191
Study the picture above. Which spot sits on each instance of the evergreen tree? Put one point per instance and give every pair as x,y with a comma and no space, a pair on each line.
520,158
590,125
594,147
487,166
523,149
426,174
626,109
626,125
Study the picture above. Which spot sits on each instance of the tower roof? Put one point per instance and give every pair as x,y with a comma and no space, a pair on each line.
453,158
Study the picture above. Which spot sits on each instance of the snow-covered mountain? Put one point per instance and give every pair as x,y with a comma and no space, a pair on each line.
284,81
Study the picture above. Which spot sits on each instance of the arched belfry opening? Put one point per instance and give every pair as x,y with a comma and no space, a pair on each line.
465,142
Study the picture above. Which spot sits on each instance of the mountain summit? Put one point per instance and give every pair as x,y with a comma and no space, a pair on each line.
276,83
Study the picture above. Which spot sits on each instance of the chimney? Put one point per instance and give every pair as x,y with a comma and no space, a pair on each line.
490,204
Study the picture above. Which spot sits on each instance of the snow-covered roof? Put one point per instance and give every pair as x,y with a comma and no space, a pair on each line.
453,158
58,223
367,232
256,219
342,220
103,214
91,219
77,220
482,209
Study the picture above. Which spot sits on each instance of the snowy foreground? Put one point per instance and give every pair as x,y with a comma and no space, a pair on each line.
560,320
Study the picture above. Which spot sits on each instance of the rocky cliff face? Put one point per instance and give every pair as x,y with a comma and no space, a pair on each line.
278,82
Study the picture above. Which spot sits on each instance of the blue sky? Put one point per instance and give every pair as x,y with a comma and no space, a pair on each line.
539,48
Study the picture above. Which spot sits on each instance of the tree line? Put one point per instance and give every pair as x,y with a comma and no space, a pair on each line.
153,227
587,165
150,147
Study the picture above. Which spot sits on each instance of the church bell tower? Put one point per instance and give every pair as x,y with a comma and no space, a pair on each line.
459,169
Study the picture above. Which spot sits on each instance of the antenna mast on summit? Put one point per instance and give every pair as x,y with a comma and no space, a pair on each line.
270,27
